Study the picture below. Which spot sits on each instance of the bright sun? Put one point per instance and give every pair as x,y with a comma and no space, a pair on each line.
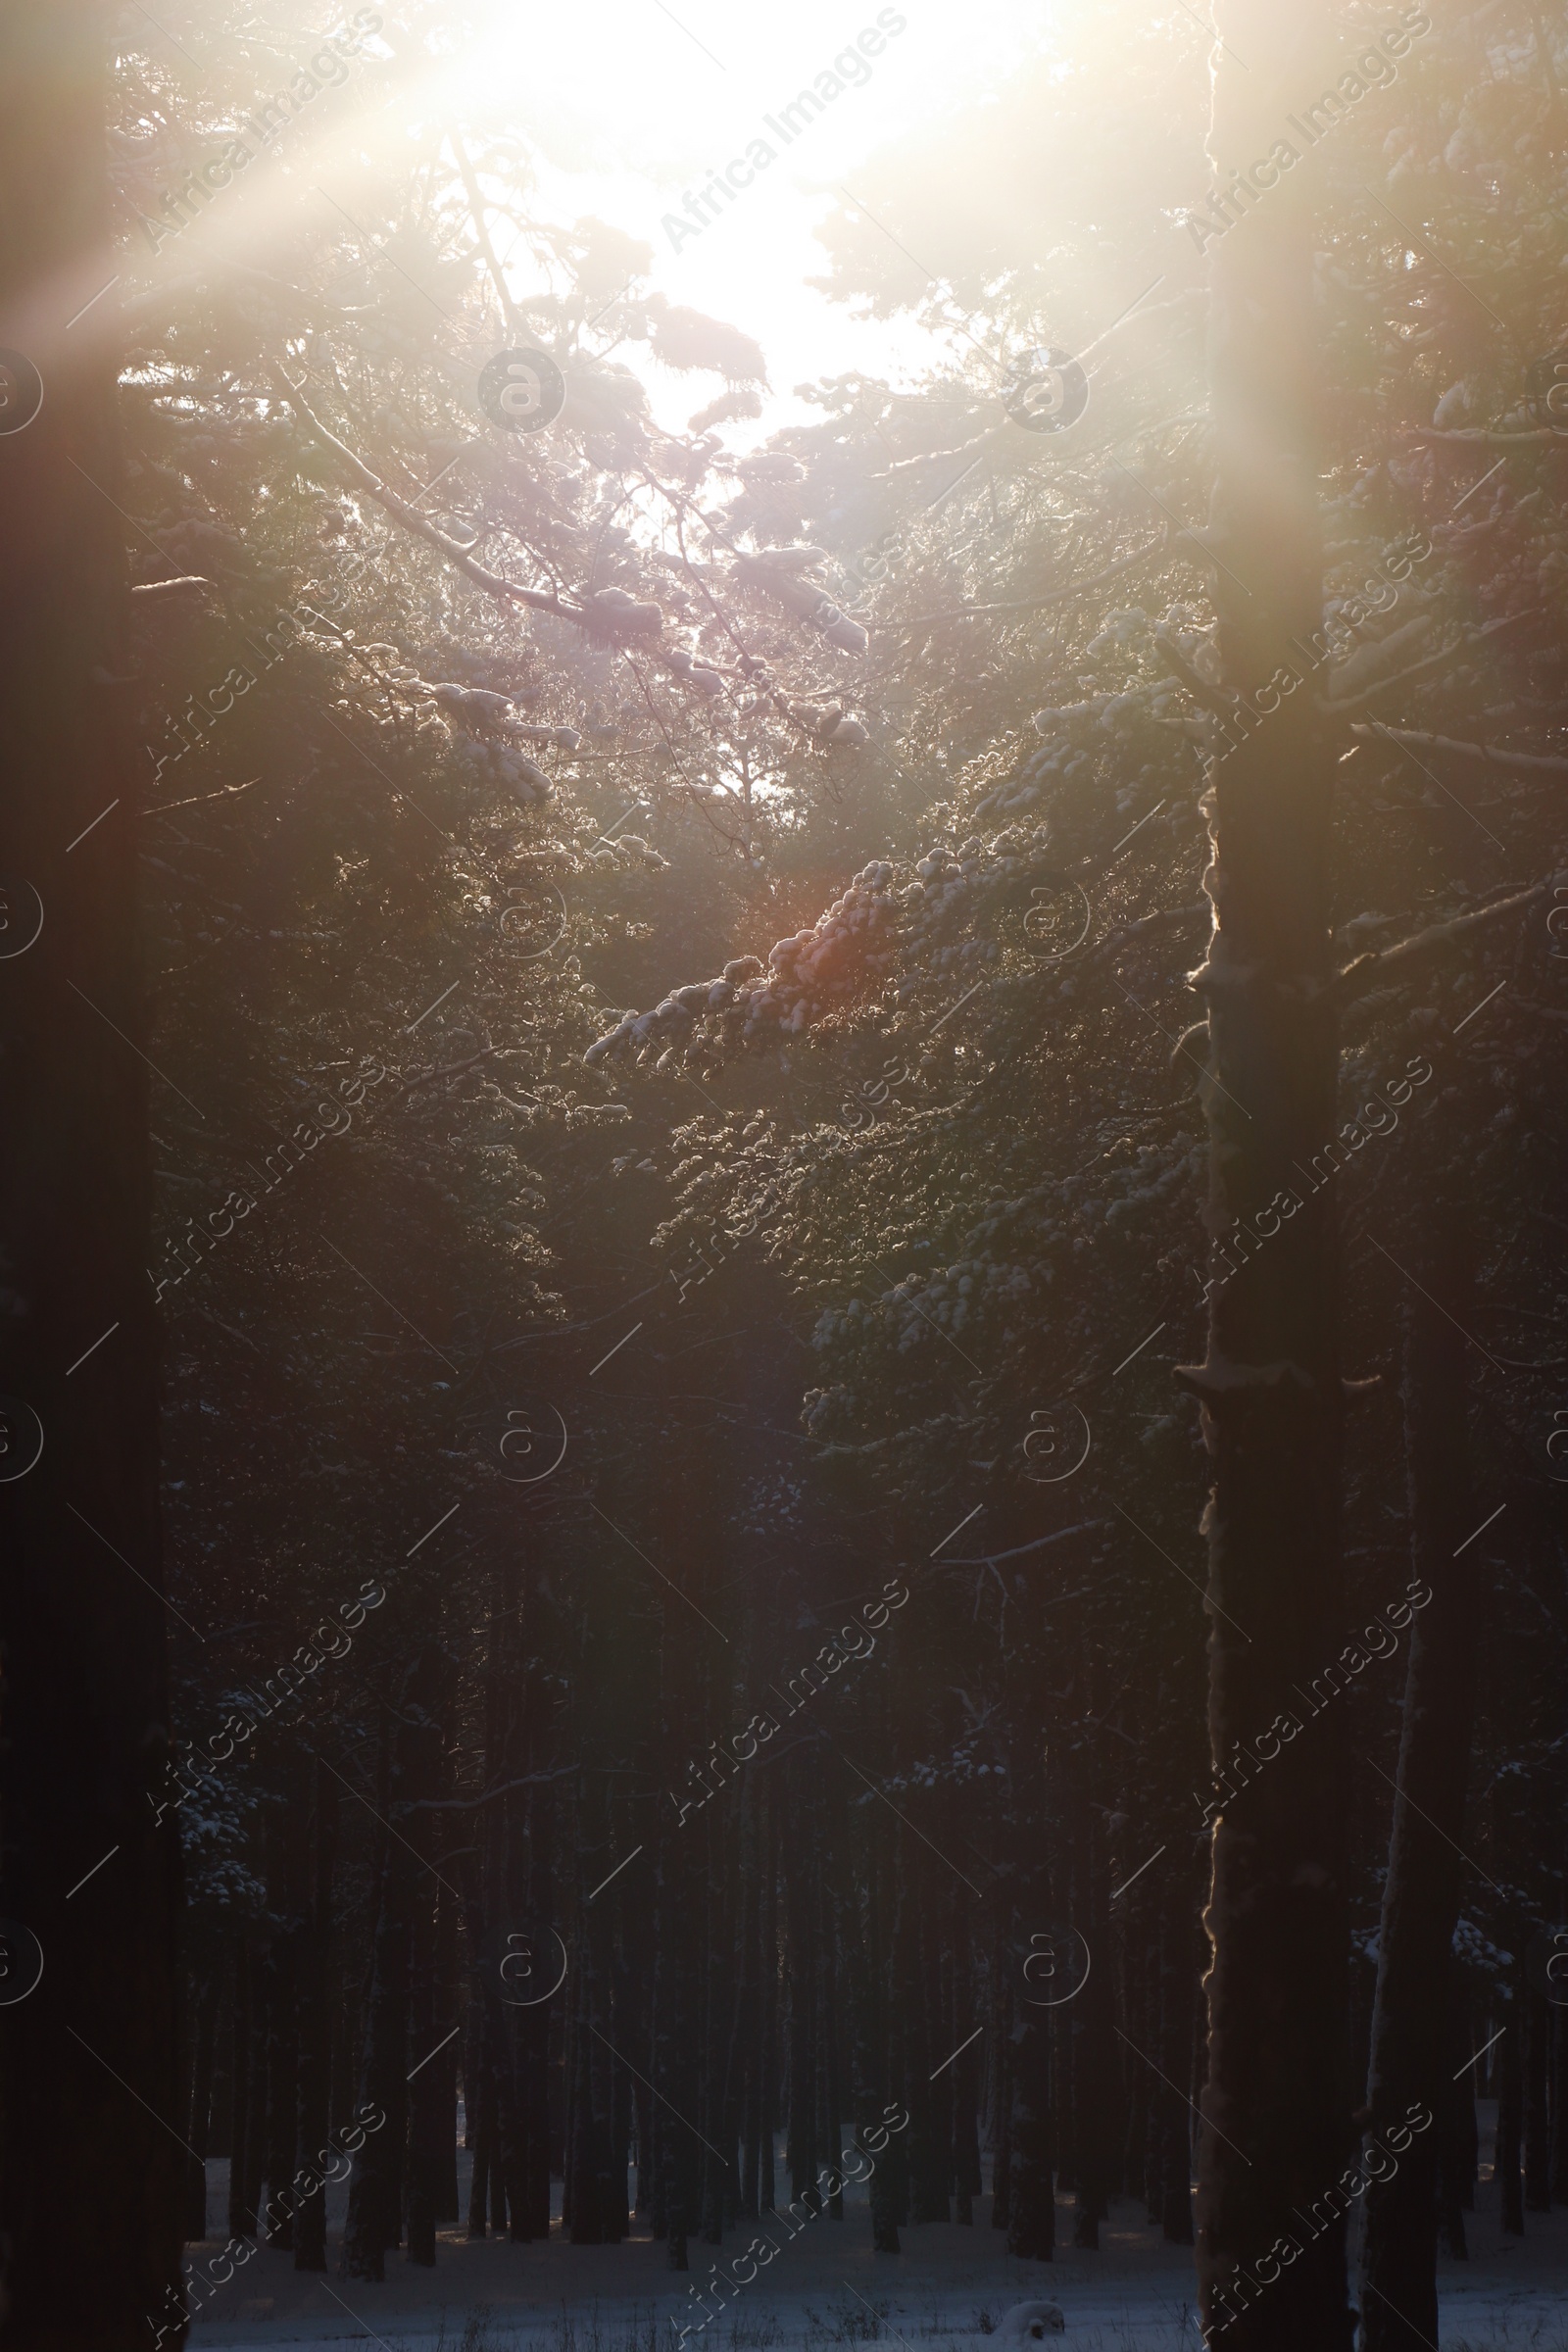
632,107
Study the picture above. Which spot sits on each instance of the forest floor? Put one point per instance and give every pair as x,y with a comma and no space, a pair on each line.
826,2288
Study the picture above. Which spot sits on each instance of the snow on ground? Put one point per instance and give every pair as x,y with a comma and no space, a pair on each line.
825,2289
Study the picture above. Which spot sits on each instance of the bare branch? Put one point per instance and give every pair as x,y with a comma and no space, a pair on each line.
467,1804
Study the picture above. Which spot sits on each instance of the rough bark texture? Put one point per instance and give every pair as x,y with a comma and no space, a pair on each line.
1411,2064
1277,2124
89,2058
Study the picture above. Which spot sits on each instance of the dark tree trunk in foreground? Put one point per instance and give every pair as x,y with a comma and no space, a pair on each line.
1277,2127
89,2067
1411,2062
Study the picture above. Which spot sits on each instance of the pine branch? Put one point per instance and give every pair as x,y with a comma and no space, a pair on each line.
184,580
476,211
1368,971
373,486
1434,661
1533,762
1483,436
1033,604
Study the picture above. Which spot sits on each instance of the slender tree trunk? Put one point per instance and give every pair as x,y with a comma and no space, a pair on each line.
534,2038
1277,2127
282,1965
749,2050
1559,2106
580,2206
89,2059
1176,2006
830,2139
375,2192
480,2104
1096,2050
1456,2155
428,2126
1510,2119
801,2146
201,2099
430,2133
768,2061
1410,2069
621,2090
314,2117
449,2004
241,2197
1031,2191
966,2172
253,2154
1536,2022
675,2000
1004,2063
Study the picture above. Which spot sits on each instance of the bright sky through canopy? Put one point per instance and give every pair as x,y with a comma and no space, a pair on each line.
630,108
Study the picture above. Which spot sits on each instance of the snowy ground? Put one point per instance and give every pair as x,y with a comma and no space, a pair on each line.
826,2288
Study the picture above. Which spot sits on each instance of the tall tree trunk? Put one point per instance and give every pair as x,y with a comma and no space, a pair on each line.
376,2190
1456,2154
252,2155
581,2212
1535,2023
1510,2117
241,2195
479,2105
767,2059
749,2037
315,2028
282,2096
967,2179
801,2146
1177,1936
429,2127
1277,2124
1002,2063
1094,2035
1411,2065
89,2059
1031,2191
870,1979
449,2004
201,2098
429,2121
1559,2106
